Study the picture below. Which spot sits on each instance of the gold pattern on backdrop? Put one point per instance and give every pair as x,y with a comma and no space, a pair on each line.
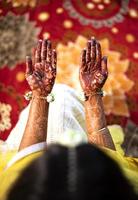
17,3
5,121
118,17
15,44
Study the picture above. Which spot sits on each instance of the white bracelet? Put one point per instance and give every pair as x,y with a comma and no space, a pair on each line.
49,98
28,96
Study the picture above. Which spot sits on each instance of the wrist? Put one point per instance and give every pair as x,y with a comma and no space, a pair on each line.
40,94
93,94
48,97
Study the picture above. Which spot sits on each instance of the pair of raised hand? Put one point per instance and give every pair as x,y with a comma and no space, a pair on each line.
41,73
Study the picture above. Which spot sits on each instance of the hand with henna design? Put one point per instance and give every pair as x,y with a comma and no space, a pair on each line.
41,74
93,74
41,77
93,70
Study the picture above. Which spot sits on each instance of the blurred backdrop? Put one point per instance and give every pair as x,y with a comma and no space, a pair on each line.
69,23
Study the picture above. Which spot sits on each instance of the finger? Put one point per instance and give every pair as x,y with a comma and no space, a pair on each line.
88,52
104,66
83,60
99,54
39,69
54,59
44,51
33,56
29,67
38,75
49,52
93,51
38,52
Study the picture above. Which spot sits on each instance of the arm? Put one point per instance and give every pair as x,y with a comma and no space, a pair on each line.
41,78
93,74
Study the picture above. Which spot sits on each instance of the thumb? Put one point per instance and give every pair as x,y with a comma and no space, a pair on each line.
104,65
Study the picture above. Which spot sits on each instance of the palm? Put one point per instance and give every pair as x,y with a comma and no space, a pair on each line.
93,71
92,81
41,76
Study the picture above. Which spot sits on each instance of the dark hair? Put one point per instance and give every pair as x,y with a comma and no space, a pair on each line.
93,174
132,148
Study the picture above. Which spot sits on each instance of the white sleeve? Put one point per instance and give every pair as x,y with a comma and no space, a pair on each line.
66,112
26,151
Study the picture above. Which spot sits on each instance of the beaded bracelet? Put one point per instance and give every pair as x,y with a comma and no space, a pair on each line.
49,98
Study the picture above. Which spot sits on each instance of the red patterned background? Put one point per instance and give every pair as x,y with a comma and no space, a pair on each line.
69,23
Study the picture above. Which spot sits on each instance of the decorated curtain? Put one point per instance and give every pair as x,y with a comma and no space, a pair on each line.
69,24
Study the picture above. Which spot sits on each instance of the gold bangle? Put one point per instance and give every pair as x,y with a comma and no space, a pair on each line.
98,131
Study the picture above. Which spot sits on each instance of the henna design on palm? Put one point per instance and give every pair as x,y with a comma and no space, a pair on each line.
93,69
41,74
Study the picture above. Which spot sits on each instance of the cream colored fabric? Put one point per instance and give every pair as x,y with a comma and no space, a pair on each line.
66,112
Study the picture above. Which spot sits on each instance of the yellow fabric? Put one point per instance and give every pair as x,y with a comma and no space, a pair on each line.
8,177
118,137
115,130
5,157
128,165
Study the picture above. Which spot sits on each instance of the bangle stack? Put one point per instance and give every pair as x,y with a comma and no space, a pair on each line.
49,98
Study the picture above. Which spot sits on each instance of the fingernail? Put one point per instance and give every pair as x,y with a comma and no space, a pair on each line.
45,40
93,41
28,57
89,44
49,42
105,58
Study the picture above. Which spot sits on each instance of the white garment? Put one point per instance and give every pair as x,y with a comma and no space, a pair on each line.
25,152
66,112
